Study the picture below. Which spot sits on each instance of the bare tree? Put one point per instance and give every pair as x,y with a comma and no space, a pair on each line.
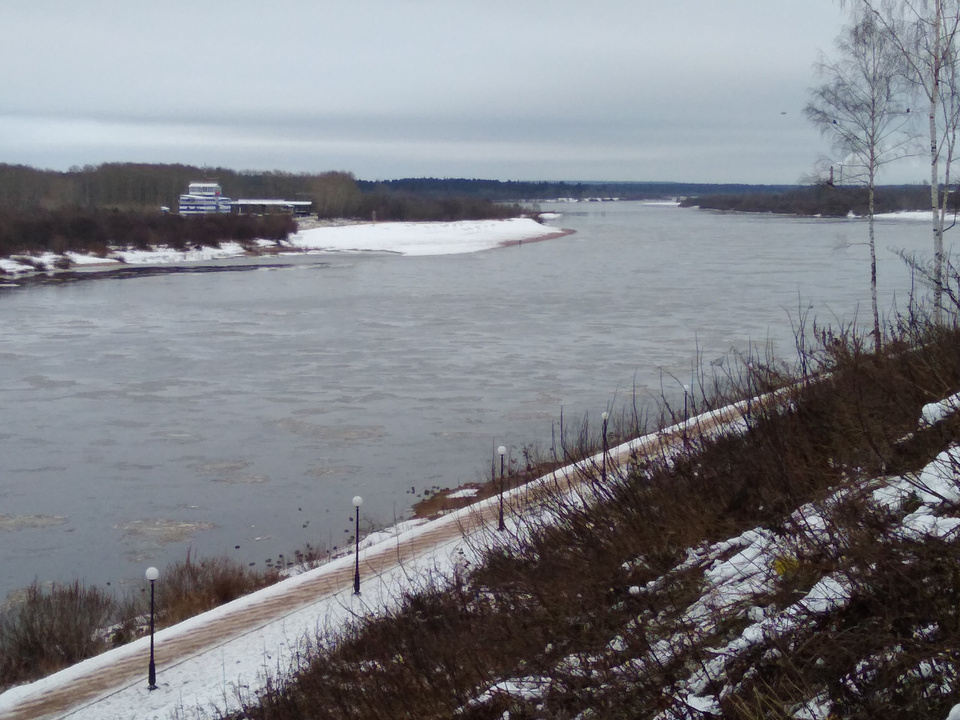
335,194
925,32
861,108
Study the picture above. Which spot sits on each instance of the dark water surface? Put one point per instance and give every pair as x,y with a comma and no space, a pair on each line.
140,416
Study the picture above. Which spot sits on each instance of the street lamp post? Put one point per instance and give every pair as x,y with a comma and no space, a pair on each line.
603,468
357,502
152,575
501,451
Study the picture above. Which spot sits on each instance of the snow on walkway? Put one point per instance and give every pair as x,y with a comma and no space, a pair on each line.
203,663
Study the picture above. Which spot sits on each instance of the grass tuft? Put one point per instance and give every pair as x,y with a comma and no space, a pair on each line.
195,585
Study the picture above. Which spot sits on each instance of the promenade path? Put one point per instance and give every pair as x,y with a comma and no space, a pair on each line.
196,660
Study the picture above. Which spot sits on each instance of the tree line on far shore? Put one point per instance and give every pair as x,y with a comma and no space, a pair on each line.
143,187
133,186
822,199
339,195
146,187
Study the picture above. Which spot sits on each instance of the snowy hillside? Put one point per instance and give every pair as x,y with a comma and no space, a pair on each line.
800,561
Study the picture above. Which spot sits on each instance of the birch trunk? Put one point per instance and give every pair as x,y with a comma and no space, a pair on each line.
935,167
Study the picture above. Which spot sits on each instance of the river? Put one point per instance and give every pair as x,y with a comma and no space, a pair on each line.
239,412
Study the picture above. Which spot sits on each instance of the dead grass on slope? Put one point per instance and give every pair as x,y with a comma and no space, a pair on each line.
604,603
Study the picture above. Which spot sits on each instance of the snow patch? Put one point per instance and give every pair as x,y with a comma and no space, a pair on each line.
421,238
463,493
934,412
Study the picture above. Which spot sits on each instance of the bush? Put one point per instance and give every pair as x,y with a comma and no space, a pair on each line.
49,629
43,630
193,586
92,231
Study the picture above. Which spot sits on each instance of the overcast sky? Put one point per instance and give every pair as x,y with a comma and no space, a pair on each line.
687,90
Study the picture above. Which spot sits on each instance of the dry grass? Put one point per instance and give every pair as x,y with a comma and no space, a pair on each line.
600,611
195,585
50,628
45,629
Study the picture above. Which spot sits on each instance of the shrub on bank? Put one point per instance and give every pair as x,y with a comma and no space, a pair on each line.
45,629
92,231
195,585
49,629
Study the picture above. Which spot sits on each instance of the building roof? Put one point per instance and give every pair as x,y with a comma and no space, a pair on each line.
273,201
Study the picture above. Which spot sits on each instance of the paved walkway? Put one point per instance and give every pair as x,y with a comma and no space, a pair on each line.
129,668
220,630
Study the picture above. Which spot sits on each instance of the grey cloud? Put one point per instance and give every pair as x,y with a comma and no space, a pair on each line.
569,88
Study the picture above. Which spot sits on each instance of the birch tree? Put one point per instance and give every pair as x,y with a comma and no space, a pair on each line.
925,32
861,108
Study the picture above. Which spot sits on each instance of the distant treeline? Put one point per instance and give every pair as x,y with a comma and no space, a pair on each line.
492,190
142,186
134,186
403,206
95,231
508,191
147,187
339,195
825,200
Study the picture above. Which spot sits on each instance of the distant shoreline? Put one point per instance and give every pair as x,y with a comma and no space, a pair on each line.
563,232
403,238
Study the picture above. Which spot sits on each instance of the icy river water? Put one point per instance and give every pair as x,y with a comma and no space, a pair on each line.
239,412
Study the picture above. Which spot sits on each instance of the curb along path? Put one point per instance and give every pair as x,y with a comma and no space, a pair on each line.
111,675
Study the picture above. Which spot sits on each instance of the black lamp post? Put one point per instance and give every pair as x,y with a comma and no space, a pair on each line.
357,502
603,468
501,451
152,575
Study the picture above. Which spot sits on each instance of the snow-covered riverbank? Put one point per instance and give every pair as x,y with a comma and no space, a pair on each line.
414,238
